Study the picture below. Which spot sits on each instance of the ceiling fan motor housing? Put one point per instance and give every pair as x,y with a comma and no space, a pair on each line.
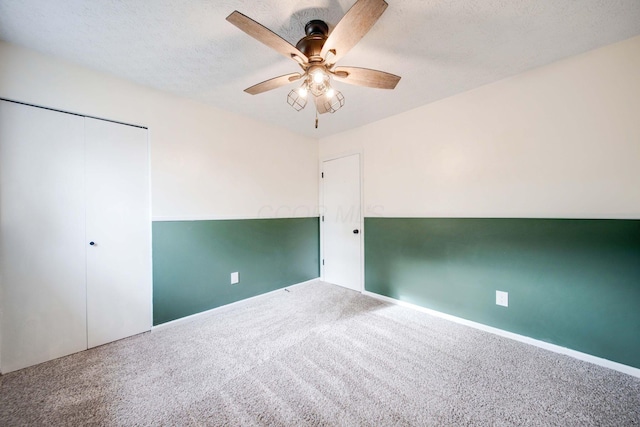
311,45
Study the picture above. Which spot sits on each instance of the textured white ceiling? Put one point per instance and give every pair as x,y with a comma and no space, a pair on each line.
440,48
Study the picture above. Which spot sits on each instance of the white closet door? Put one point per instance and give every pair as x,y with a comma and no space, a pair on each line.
119,223
42,235
342,225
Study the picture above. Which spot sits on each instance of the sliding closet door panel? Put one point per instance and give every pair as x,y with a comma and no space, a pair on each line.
119,225
42,249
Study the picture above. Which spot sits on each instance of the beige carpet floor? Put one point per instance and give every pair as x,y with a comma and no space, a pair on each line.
318,355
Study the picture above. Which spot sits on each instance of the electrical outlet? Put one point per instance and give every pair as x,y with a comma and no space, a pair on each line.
235,278
502,298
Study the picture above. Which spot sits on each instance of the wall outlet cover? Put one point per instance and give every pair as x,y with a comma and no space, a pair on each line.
502,298
235,278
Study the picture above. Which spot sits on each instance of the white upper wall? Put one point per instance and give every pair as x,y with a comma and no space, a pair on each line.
205,163
560,141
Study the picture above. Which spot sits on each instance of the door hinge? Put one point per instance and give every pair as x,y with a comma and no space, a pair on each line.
322,262
322,218
322,174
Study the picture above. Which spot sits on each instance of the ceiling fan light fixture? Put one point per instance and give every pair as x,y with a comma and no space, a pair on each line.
335,102
318,89
296,99
317,80
319,77
330,92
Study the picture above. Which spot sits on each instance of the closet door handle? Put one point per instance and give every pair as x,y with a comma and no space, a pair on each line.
92,243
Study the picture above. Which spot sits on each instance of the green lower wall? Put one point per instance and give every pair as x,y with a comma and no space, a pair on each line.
574,283
193,261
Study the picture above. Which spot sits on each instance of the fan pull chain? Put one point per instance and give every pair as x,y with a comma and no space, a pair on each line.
316,118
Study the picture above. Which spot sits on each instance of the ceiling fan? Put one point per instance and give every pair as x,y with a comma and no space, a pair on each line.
317,53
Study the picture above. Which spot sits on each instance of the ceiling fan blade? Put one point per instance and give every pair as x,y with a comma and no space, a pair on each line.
321,104
266,36
366,77
352,27
273,83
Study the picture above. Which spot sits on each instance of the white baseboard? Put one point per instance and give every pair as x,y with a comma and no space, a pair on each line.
542,344
192,317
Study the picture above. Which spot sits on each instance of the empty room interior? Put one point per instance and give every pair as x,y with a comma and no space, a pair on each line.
320,212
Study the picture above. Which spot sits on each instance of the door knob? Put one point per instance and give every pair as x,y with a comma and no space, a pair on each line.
356,231
92,243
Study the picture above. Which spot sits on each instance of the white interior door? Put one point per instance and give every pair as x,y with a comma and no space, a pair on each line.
119,225
42,225
342,224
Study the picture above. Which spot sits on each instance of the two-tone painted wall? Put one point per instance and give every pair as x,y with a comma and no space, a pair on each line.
228,193
193,260
490,190
561,141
